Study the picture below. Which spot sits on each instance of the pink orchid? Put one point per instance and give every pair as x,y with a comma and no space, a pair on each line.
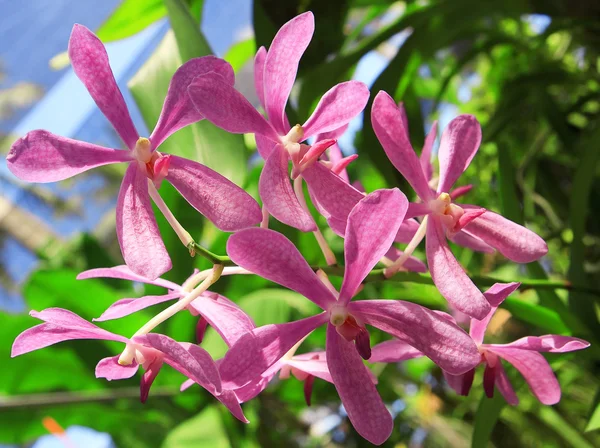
275,74
371,228
44,157
523,354
215,310
460,141
152,350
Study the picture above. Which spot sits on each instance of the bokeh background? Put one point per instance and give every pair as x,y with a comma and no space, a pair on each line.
528,69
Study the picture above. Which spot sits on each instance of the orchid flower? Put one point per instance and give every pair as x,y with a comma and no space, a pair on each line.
215,310
44,157
523,354
151,351
444,219
370,231
277,142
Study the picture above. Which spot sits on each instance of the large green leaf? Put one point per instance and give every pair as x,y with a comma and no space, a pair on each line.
204,430
131,17
486,417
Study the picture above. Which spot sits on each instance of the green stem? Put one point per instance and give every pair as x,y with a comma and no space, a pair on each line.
224,260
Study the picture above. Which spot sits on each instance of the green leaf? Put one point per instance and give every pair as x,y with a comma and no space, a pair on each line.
190,40
486,417
536,315
240,53
131,17
594,421
204,430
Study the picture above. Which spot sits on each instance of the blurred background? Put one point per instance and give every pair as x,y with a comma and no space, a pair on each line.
527,69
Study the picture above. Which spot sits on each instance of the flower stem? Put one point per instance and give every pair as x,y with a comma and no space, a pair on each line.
264,224
327,252
412,245
184,236
196,248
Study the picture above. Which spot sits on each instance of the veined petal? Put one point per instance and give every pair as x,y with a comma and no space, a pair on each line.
230,400
362,402
281,66
389,127
495,296
407,231
278,195
223,105
110,369
228,319
271,255
337,108
259,71
125,307
264,145
504,386
141,244
314,367
257,385
458,145
178,110
425,157
449,277
551,343
411,264
370,231
536,371
513,241
460,383
60,325
417,209
123,272
90,63
225,204
41,156
393,350
436,337
463,239
259,349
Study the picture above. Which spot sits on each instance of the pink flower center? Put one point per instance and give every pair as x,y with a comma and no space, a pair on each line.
155,164
448,212
351,329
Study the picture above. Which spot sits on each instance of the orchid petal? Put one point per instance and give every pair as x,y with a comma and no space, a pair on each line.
141,244
407,231
230,400
110,369
337,108
281,66
278,195
314,367
504,386
471,242
436,337
90,63
411,264
449,277
417,209
271,255
393,350
425,157
125,307
223,105
370,232
495,296
41,156
460,383
259,349
60,325
123,272
264,145
551,343
257,385
512,240
460,191
458,145
225,204
389,127
362,402
152,368
178,110
536,371
224,316
259,71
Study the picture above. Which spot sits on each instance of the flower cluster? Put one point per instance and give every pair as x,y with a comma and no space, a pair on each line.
370,224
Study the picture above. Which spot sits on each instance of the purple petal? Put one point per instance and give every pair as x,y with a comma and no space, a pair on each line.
362,402
178,110
407,231
225,204
370,232
513,241
264,145
489,380
389,128
281,66
125,307
495,296
504,386
278,195
271,255
314,367
152,368
124,273
536,371
417,209
337,108
435,336
227,108
460,383
463,239
425,157
228,319
411,264
90,63
61,325
141,244
393,350
552,343
110,369
259,71
231,402
41,156
449,276
259,349
257,385
458,145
